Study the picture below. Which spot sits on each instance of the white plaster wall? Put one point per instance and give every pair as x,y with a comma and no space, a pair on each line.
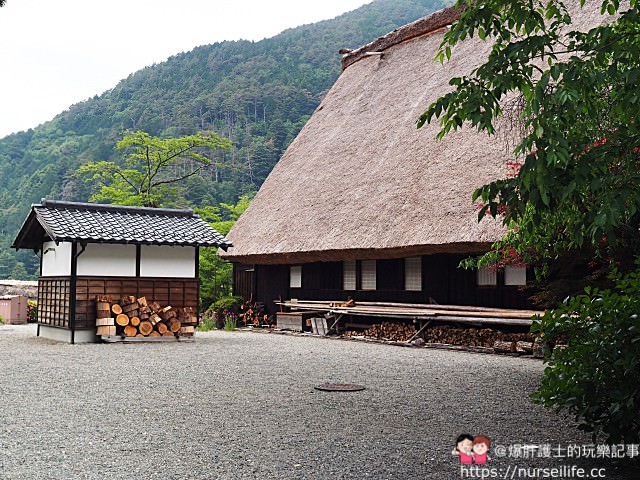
56,259
167,261
107,260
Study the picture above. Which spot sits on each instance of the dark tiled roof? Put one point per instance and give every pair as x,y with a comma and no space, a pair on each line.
94,223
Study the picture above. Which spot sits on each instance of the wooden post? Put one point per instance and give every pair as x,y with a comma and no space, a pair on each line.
72,290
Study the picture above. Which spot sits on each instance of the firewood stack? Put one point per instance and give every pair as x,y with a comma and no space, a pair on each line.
134,317
398,332
502,342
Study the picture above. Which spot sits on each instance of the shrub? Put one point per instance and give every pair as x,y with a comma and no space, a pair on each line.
228,303
32,311
212,319
596,377
1,320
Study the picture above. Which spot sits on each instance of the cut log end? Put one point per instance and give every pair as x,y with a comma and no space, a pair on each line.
145,328
122,320
130,331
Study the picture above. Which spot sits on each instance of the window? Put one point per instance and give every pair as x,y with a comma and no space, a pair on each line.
349,275
515,275
487,276
368,274
413,274
295,276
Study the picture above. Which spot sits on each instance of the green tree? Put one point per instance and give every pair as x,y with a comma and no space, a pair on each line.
7,264
19,272
216,274
152,168
577,185
576,97
596,377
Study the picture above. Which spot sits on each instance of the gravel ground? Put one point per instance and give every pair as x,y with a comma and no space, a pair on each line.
242,405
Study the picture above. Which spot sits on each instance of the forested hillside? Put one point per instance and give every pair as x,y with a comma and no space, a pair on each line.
257,94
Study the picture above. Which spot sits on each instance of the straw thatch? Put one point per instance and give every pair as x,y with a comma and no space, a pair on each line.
361,181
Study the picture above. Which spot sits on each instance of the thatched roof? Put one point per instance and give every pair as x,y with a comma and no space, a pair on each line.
361,181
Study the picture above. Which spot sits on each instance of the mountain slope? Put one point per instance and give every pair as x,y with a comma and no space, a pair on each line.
258,94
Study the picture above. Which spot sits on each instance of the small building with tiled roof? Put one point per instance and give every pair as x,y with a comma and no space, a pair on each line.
91,249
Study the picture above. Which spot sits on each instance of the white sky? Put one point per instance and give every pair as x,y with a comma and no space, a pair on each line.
54,53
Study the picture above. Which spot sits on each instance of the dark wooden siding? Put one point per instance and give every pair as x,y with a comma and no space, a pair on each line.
272,283
244,281
442,282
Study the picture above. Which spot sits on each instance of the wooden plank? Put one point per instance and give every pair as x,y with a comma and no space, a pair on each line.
120,339
397,310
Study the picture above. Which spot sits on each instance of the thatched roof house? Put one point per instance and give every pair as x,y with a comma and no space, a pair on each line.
361,183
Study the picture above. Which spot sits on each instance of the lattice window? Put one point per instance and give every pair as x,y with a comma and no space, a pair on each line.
295,276
349,275
413,274
515,275
487,276
54,302
369,275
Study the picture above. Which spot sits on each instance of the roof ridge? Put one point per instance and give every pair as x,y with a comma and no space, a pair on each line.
419,28
107,207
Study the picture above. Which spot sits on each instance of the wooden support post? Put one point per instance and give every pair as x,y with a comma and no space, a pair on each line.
417,334
334,327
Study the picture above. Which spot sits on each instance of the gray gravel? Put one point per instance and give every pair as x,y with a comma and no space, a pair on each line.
242,405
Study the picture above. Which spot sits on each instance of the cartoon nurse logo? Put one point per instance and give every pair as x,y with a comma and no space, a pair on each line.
464,448
472,449
481,446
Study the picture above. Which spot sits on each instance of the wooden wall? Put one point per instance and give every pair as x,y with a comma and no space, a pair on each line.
54,306
442,282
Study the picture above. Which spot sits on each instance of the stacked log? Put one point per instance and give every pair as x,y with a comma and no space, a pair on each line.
105,323
398,332
135,317
501,342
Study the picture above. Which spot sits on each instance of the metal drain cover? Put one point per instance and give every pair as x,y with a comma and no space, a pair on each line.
339,387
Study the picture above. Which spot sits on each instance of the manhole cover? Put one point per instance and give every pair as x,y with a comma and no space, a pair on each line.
339,387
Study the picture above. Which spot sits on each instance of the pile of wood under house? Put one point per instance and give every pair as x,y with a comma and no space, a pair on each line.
135,317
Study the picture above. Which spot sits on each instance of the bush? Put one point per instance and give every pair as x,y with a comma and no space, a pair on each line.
1,320
218,319
32,311
231,304
596,377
